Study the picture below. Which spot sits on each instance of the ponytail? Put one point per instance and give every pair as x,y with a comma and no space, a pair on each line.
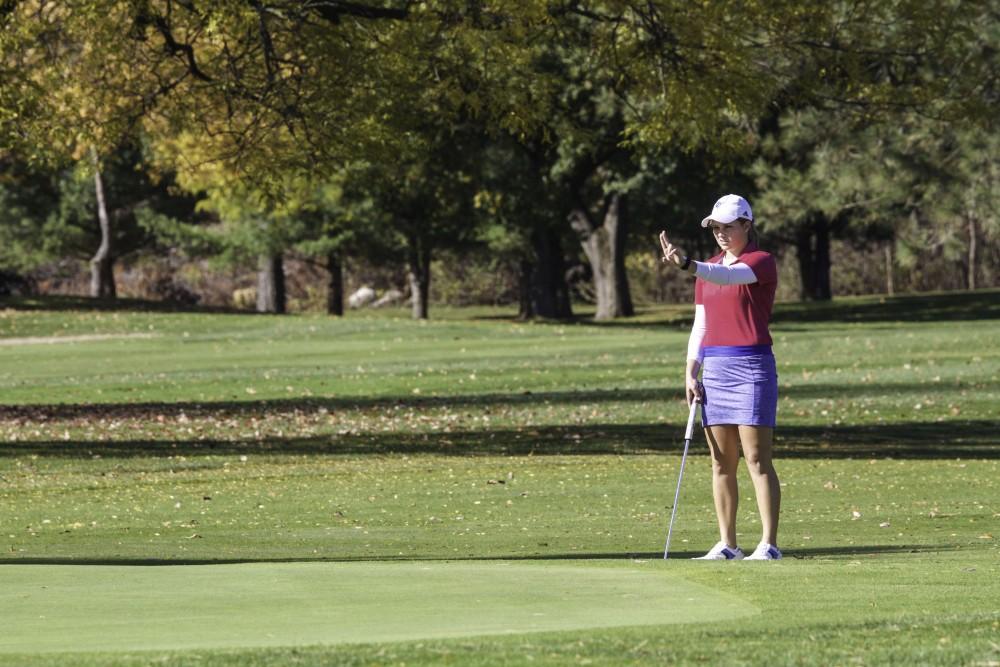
752,235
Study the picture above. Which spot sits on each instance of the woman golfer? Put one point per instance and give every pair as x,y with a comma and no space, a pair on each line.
731,346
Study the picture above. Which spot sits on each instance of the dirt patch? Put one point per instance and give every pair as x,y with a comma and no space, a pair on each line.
53,340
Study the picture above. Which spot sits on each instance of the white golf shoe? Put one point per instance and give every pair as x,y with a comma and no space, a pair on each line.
722,551
765,551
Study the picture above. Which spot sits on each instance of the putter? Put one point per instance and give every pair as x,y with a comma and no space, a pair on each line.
680,476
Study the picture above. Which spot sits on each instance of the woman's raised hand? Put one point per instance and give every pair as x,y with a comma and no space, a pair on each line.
671,253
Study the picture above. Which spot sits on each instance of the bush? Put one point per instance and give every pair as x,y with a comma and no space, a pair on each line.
14,284
458,281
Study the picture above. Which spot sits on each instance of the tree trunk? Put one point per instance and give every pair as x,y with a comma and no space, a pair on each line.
548,291
822,290
889,286
604,246
419,275
335,288
526,306
271,284
813,251
972,251
102,265
804,254
623,294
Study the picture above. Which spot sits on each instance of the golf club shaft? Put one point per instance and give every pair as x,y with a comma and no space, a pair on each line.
689,432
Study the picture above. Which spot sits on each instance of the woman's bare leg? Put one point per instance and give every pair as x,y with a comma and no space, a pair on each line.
757,446
724,444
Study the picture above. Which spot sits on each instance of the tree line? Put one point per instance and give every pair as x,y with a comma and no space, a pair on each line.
521,133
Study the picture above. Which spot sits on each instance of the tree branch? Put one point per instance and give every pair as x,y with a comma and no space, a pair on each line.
266,42
175,47
575,8
334,10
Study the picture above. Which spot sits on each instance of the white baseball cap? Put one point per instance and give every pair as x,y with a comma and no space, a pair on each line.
729,209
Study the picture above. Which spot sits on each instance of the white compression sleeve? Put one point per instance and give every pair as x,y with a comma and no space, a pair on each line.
697,332
720,274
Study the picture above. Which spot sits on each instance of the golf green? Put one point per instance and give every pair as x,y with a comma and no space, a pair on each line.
129,608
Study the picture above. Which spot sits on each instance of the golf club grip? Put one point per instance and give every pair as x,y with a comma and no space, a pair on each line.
690,427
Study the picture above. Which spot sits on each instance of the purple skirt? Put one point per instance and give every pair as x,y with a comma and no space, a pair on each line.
740,385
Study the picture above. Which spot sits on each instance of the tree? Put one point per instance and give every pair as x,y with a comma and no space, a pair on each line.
522,223
799,204
92,214
910,183
598,174
252,226
840,125
288,87
27,198
341,79
972,205
662,80
102,274
332,229
423,200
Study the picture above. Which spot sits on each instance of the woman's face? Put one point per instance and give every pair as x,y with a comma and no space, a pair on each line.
732,237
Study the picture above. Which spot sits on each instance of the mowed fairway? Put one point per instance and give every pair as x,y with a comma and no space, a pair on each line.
181,488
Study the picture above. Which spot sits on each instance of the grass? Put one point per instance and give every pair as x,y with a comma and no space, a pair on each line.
148,439
126,608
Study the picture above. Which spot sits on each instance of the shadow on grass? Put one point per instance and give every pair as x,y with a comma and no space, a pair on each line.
937,306
334,404
77,303
906,440
868,550
934,307
269,407
929,307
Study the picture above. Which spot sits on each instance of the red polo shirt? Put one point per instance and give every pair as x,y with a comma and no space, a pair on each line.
739,314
